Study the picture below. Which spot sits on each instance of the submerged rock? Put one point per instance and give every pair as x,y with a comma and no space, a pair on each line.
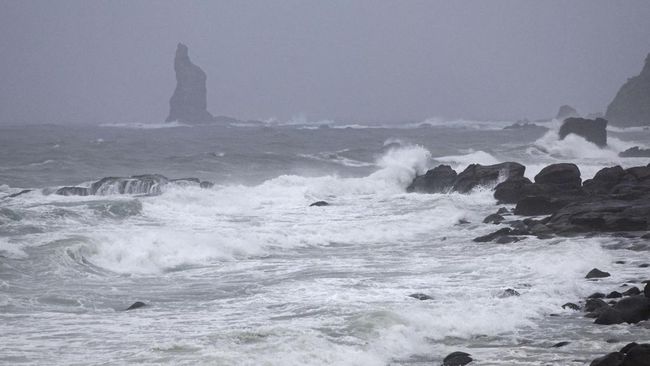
457,359
592,130
319,204
611,359
73,191
136,305
189,101
631,105
421,296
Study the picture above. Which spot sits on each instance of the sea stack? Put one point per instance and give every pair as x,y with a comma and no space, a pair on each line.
592,130
631,106
189,102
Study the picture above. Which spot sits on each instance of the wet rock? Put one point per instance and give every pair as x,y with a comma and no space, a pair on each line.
646,290
512,190
560,344
189,101
503,211
73,191
609,316
628,347
634,309
596,273
596,295
592,130
614,295
421,296
644,265
630,106
593,305
14,195
508,293
457,359
612,359
605,180
632,291
638,355
538,205
493,219
492,236
136,305
507,239
570,305
562,174
437,180
319,204
479,175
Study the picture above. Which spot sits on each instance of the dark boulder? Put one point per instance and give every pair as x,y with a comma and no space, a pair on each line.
612,359
73,191
609,316
646,290
630,106
560,344
592,305
477,175
189,101
563,174
605,180
614,295
635,152
511,190
457,359
596,273
437,180
638,355
136,305
632,291
492,236
602,215
539,205
596,295
592,130
634,309
319,204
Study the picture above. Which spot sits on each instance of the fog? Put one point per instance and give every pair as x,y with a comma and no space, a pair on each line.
356,61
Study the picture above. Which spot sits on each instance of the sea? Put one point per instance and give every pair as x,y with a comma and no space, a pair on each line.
247,273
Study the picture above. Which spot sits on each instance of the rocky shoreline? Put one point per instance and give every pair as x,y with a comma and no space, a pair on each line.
616,201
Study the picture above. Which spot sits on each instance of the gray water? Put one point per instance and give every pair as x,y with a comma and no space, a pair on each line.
246,273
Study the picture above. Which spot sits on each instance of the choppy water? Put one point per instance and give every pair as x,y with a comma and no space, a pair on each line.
246,273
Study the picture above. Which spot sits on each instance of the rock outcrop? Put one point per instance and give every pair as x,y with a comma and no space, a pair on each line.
592,130
443,178
566,111
635,152
631,106
189,101
138,184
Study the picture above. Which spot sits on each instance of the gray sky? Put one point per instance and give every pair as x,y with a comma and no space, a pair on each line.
357,61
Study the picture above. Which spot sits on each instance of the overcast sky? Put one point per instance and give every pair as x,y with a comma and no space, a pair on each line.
354,61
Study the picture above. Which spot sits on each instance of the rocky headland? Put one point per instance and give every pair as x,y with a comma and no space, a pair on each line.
631,105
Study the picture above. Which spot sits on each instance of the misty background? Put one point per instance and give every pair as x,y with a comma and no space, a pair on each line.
356,61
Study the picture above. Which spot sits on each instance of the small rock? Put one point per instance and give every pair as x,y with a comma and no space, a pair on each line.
457,359
503,211
493,219
620,262
136,305
614,295
632,291
560,344
508,293
595,304
319,204
644,265
596,273
610,316
596,295
421,296
571,306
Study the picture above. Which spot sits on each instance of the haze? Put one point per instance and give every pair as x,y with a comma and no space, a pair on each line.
355,61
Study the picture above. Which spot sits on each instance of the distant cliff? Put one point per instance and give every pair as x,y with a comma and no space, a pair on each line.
189,102
631,106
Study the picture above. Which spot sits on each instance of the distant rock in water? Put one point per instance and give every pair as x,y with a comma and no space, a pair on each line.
189,101
319,204
593,130
566,111
137,184
631,106
635,152
437,180
521,125
136,305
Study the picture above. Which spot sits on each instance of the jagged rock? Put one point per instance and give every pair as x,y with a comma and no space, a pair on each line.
592,130
635,152
437,180
631,105
479,175
566,111
457,359
596,273
73,191
189,101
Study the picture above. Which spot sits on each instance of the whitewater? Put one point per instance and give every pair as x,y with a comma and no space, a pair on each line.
246,273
